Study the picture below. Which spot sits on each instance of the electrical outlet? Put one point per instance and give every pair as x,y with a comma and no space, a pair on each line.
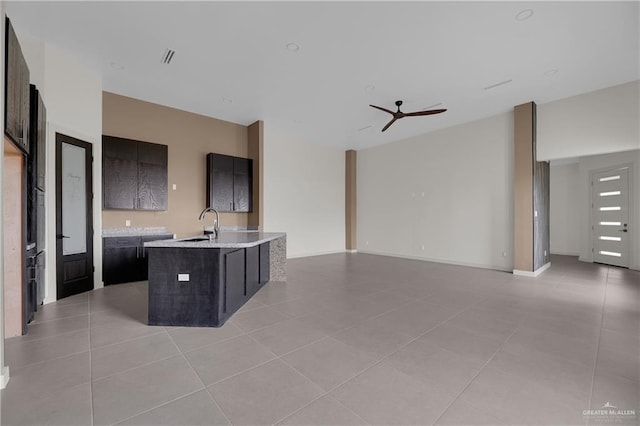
183,277
175,186
422,247
504,254
127,222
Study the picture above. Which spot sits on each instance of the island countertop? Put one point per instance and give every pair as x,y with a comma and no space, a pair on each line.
226,239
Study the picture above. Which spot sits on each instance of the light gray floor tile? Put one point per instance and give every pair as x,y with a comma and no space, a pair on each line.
384,395
324,411
527,340
46,379
286,336
547,329
197,409
224,359
559,373
257,318
190,338
21,353
617,391
476,349
54,311
112,359
117,332
329,362
434,366
264,395
461,413
516,401
38,330
135,391
70,406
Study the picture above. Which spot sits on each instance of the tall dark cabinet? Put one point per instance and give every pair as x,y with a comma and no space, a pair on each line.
134,174
229,183
17,94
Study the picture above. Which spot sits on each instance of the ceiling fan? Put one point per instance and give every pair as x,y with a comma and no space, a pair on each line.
399,114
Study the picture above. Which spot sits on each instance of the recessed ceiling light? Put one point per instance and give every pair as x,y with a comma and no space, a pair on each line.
493,86
523,15
369,87
227,100
551,72
293,47
117,66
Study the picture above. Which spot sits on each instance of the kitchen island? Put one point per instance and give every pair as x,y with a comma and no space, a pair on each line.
201,282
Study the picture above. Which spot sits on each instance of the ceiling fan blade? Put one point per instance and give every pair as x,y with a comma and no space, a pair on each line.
430,112
382,109
393,120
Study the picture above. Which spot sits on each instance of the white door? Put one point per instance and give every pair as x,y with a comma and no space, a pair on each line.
610,195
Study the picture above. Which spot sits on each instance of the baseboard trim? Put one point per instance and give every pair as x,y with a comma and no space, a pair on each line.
532,273
566,253
445,261
4,377
351,251
321,253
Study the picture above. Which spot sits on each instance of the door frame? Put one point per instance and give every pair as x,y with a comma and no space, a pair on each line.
632,207
60,138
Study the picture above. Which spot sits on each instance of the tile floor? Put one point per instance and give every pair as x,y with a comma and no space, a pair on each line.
349,339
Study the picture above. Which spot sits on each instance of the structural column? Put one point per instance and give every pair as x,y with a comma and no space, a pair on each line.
530,197
351,243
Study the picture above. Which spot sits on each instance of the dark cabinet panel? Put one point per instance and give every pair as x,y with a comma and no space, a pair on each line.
265,262
234,286
120,183
124,259
152,186
134,174
252,272
17,91
229,183
37,144
242,184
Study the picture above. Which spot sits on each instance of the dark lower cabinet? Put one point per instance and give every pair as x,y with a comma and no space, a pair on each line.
124,259
203,287
234,280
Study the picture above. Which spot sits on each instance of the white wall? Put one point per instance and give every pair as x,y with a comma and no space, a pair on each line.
72,94
304,194
449,191
565,209
603,162
593,123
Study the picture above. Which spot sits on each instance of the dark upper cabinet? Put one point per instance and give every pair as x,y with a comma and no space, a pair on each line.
38,134
229,183
17,91
134,174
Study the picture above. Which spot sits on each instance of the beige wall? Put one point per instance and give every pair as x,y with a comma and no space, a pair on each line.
189,138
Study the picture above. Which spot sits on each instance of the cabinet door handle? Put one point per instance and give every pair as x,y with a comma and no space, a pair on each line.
137,252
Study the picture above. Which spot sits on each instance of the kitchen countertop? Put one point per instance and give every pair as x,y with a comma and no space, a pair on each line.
134,231
232,239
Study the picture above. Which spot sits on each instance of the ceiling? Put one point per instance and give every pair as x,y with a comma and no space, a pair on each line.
233,61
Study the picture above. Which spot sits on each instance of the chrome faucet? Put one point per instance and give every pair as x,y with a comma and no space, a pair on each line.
216,222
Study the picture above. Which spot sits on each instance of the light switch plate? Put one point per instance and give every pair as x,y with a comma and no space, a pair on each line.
183,277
